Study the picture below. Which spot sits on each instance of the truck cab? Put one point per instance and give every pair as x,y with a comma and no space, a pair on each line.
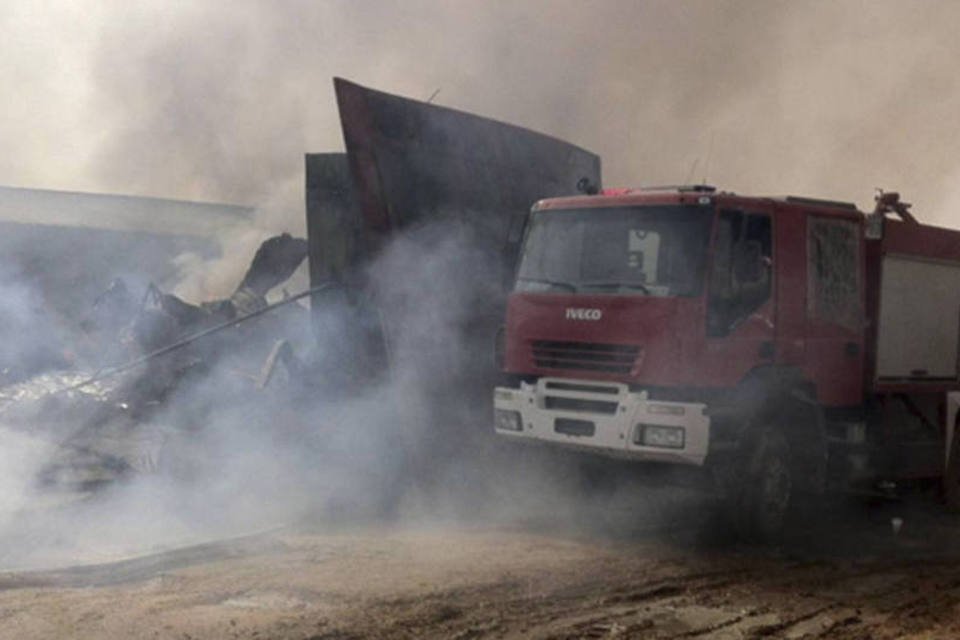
696,327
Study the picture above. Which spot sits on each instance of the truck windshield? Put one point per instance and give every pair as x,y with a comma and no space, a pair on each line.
646,250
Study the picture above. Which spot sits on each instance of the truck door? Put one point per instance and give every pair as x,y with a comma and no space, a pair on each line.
740,324
835,315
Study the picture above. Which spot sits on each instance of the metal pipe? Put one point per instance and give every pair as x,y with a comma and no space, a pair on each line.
112,371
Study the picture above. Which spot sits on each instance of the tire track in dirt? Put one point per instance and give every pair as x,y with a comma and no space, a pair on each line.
674,607
495,583
586,608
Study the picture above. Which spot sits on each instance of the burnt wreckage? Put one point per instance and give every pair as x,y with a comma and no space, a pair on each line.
407,165
101,422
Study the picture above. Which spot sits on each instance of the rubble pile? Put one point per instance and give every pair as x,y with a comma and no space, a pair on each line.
110,406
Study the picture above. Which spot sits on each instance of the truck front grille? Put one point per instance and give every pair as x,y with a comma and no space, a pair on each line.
579,404
584,356
570,427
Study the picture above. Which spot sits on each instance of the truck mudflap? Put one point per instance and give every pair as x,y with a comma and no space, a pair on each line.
603,417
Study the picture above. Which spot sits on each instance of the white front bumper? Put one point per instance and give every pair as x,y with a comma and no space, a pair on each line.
604,417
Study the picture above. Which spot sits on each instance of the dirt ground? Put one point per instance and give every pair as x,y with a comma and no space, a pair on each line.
833,576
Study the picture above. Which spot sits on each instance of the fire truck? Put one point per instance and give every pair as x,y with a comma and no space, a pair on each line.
774,346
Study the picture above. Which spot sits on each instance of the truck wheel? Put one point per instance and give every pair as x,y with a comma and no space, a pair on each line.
951,475
763,495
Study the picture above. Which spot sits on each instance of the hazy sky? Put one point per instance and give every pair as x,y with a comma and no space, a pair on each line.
220,100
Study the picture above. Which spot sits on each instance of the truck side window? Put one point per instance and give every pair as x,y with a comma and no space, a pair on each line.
833,271
740,274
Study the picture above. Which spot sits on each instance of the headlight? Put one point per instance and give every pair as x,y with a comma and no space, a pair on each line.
505,420
650,435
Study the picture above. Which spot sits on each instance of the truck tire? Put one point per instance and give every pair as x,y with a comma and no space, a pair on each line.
764,488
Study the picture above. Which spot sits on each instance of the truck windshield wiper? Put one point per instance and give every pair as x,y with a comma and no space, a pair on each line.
617,285
552,283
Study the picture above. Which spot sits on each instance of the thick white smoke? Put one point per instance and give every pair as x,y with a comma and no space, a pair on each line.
219,101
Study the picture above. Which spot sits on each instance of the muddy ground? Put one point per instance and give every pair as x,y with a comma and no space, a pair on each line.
840,573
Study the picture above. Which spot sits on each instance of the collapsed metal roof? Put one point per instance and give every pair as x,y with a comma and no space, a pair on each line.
118,212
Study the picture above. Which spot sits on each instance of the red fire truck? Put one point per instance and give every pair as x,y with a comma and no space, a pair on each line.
775,345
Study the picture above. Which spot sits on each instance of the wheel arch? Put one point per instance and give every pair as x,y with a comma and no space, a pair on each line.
785,399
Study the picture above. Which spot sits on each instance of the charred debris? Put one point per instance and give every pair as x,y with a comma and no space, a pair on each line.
139,356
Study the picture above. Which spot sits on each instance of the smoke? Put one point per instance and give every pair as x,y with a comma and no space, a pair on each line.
216,457
220,457
219,101
202,278
23,318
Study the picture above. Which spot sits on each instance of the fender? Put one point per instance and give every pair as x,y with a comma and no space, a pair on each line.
779,397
